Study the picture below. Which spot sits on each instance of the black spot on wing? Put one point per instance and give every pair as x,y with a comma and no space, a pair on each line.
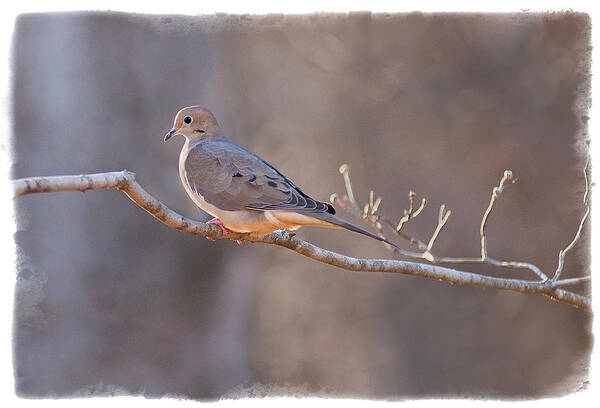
238,174
296,200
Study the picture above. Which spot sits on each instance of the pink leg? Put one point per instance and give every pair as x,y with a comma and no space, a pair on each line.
218,222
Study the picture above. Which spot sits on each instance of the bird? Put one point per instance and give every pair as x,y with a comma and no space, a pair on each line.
243,192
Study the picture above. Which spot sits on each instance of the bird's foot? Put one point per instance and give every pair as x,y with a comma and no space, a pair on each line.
218,223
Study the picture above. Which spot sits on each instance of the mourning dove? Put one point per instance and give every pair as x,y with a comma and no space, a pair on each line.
242,191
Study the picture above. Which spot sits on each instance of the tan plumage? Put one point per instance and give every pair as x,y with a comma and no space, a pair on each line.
242,191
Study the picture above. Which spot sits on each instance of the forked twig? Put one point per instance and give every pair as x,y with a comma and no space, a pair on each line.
442,219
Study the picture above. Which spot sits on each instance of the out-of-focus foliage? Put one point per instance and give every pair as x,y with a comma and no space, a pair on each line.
111,301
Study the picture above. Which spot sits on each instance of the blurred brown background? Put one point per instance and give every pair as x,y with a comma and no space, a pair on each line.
109,300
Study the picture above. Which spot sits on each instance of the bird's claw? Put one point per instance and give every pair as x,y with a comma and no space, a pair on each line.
218,223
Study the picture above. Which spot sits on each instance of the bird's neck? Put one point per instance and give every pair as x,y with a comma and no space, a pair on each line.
206,136
183,154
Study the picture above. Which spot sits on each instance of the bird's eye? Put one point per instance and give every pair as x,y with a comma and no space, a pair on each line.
187,119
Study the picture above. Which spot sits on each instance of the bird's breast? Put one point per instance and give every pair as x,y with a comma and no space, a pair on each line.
196,197
238,221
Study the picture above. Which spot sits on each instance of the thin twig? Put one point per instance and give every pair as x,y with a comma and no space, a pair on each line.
345,171
563,252
495,262
572,281
495,193
410,214
126,182
442,219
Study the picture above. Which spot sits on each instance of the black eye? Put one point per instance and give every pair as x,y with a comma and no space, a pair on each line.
187,119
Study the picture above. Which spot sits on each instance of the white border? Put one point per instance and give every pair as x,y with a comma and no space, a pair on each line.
7,249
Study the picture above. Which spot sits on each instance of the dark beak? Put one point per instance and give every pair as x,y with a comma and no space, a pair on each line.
171,133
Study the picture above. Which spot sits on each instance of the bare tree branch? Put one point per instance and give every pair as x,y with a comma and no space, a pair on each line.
371,214
376,219
126,182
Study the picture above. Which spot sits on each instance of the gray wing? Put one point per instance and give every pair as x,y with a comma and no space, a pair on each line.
232,178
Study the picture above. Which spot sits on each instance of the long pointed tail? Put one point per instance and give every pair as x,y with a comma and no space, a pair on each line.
332,219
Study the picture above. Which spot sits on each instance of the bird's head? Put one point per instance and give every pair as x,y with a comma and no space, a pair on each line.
195,123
